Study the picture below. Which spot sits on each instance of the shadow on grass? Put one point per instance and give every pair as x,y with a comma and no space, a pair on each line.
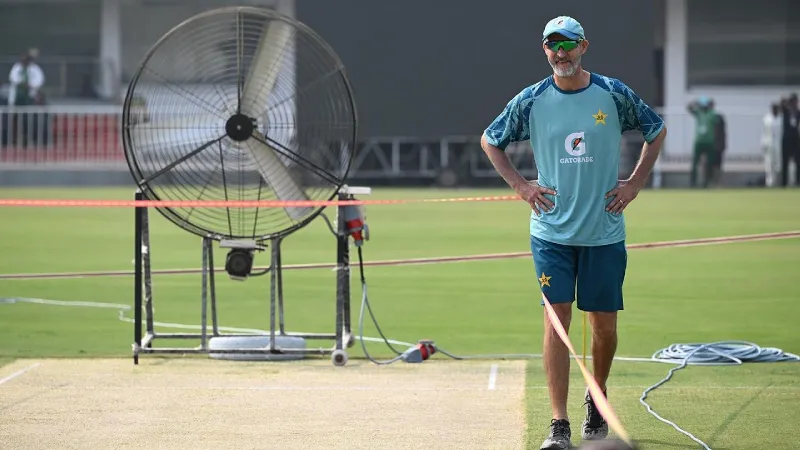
734,415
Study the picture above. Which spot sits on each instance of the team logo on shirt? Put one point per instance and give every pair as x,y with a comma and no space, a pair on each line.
575,145
600,117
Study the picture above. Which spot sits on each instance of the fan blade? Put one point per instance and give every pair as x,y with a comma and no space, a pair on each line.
255,99
278,177
263,71
175,131
168,143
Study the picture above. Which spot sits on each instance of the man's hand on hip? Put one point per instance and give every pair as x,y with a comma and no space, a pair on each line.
623,195
531,192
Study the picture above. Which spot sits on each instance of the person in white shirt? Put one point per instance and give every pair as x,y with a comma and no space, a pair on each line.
26,79
771,134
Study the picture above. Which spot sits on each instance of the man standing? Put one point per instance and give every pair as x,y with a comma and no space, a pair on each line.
720,144
574,120
26,79
704,139
790,143
771,134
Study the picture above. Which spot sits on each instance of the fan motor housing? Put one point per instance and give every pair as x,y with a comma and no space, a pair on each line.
239,263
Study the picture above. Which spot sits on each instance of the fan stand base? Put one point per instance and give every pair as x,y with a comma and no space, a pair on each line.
256,343
275,344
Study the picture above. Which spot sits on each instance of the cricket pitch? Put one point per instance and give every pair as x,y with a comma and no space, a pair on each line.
191,403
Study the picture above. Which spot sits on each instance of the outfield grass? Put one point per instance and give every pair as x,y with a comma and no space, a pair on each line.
743,291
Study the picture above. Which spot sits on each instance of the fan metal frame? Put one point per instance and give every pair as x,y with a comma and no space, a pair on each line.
129,148
342,336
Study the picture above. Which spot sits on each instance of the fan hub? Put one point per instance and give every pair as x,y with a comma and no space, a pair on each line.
240,127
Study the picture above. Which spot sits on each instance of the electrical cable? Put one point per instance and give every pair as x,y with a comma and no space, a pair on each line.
365,302
399,354
723,353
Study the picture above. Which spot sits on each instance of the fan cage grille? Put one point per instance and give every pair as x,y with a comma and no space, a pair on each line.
189,85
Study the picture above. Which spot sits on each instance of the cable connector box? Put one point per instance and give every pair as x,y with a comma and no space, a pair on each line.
420,352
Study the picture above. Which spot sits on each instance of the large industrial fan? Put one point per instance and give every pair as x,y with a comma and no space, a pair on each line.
240,104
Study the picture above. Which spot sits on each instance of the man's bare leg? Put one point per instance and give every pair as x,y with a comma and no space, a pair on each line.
604,344
556,360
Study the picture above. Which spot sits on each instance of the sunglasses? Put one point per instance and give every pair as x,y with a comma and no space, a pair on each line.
566,45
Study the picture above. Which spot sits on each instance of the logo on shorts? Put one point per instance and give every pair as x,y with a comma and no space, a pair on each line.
575,145
544,280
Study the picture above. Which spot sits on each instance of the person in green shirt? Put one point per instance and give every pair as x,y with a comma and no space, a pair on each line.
25,81
705,148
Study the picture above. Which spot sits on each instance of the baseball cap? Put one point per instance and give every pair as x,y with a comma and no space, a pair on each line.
565,26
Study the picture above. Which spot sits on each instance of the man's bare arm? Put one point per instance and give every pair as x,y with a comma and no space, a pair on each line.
647,160
531,192
503,165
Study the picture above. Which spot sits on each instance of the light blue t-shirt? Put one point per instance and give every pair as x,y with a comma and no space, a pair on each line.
575,137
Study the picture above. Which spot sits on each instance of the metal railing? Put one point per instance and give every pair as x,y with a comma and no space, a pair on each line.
59,134
55,136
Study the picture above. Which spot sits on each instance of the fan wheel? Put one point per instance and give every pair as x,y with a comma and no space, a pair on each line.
240,104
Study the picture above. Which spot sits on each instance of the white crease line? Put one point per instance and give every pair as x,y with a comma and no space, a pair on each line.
321,388
18,373
493,377
409,388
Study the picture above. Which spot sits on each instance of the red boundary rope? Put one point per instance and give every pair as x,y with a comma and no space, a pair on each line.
87,203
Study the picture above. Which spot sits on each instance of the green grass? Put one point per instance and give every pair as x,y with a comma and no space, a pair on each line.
725,407
743,291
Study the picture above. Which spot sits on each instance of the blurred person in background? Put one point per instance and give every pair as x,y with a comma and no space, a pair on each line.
705,146
790,141
771,135
720,144
26,79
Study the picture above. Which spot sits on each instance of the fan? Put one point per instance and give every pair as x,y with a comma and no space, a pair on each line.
238,104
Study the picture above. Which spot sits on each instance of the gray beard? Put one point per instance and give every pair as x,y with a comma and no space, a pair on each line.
570,71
